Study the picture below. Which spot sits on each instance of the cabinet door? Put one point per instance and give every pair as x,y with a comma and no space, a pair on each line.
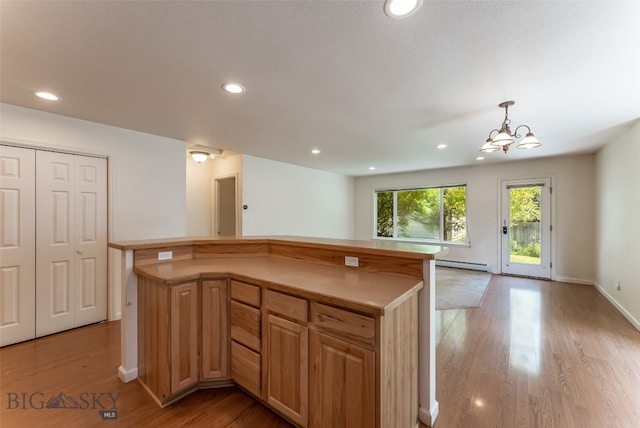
342,384
215,340
184,336
286,362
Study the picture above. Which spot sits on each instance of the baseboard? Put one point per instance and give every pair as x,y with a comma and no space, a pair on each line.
127,375
428,416
574,280
464,265
618,306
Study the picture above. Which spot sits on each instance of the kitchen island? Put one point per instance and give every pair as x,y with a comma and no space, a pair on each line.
325,332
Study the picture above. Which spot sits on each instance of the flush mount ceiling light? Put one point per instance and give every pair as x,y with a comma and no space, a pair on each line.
47,96
401,8
202,153
233,88
315,151
504,137
441,146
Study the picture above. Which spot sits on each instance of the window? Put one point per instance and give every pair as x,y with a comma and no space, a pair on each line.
429,214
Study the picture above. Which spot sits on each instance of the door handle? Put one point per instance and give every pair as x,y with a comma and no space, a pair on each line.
79,251
504,230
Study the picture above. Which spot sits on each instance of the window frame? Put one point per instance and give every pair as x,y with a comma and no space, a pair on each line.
440,241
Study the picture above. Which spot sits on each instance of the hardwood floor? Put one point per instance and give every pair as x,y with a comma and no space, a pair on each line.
82,364
538,354
535,354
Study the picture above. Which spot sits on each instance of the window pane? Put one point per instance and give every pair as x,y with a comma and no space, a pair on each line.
455,214
419,214
524,206
384,214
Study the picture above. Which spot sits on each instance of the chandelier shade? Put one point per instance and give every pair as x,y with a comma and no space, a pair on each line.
529,142
489,147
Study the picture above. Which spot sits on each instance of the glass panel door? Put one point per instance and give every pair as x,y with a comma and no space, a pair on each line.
526,228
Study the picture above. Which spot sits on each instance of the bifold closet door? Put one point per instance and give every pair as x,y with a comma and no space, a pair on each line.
17,245
71,272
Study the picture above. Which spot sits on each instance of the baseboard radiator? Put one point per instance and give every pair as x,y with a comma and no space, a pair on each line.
464,265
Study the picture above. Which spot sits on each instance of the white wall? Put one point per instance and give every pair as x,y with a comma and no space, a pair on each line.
573,186
146,172
618,228
284,199
198,197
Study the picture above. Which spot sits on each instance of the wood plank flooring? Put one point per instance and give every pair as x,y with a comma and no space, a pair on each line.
538,354
535,354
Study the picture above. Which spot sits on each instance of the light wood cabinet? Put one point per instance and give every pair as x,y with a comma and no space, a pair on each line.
342,383
286,373
245,325
214,356
318,364
286,355
246,337
184,336
245,368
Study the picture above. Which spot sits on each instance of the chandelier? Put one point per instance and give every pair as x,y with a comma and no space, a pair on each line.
504,137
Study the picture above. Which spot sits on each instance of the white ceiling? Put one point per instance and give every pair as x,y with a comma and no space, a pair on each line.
340,76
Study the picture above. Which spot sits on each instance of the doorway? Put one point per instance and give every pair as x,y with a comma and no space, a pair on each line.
526,227
224,221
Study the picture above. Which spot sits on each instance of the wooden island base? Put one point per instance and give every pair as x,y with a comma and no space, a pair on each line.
322,344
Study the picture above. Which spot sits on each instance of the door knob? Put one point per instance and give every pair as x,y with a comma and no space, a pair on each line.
79,251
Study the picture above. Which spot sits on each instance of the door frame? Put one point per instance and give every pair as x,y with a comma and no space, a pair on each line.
546,178
215,206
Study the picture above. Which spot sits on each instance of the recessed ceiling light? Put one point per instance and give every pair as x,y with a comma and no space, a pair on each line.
47,96
441,146
401,8
480,158
371,168
233,88
315,151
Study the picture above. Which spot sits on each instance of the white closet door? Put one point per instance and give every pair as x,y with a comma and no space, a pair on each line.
17,245
90,240
55,252
71,247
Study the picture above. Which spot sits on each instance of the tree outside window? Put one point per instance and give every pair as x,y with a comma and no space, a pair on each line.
430,214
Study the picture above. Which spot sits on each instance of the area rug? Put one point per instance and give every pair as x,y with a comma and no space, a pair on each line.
460,288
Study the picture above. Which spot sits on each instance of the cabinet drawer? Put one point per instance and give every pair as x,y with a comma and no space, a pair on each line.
283,304
245,325
245,368
344,323
246,293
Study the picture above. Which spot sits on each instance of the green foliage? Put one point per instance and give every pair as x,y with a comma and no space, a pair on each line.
421,208
422,205
385,214
455,211
531,250
525,204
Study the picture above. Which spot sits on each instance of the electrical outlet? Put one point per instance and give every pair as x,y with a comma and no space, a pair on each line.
351,261
165,255
617,286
